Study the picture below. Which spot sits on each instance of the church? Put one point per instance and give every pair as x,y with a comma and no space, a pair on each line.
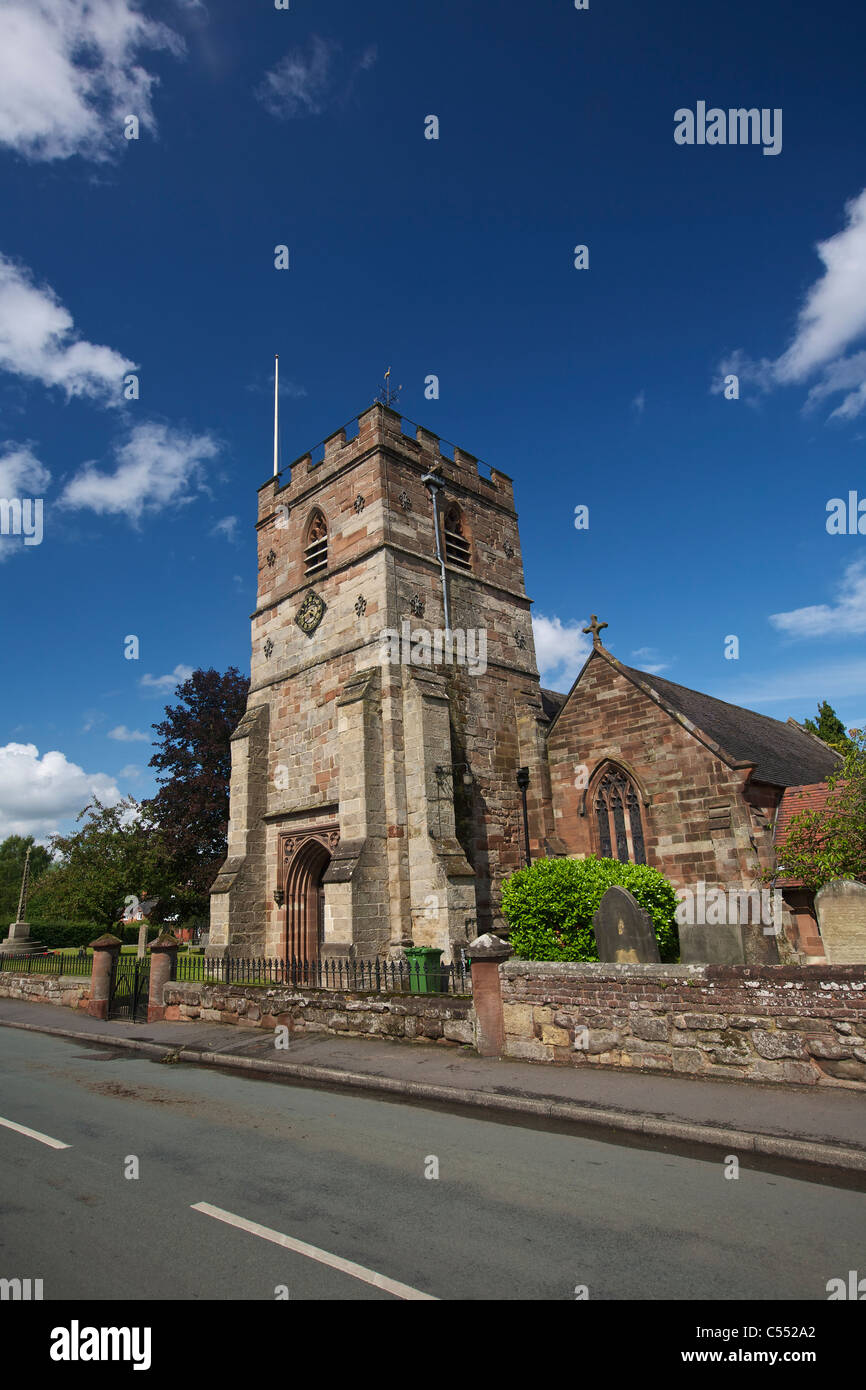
378,785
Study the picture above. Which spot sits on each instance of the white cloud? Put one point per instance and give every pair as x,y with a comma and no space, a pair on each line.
227,527
303,84
124,735
834,312
560,649
166,684
804,685
70,71
37,793
38,341
22,476
844,618
299,83
291,390
848,375
638,405
648,657
131,772
831,319
21,473
158,466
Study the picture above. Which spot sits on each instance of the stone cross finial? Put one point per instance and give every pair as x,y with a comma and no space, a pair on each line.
595,628
25,880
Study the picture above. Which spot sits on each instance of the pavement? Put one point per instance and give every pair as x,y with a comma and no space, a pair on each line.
823,1126
124,1179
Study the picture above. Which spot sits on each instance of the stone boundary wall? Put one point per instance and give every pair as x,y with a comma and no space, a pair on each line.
71,991
416,1017
800,1024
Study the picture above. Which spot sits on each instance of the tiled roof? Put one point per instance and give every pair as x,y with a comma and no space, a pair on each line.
811,797
552,702
784,754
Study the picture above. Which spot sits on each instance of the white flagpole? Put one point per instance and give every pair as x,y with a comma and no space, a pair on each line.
276,410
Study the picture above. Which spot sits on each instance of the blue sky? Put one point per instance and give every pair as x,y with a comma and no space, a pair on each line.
306,127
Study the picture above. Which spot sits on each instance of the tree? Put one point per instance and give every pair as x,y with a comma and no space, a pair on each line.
831,843
13,852
829,728
191,809
113,857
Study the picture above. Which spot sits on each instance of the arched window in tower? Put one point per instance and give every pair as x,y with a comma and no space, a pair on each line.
457,550
618,818
316,550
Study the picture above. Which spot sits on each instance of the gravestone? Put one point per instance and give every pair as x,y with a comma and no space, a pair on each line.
760,944
624,933
841,909
711,943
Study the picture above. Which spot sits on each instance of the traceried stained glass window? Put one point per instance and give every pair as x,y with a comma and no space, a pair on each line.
617,813
603,816
636,826
619,827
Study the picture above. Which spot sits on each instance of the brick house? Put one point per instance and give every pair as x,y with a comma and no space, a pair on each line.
394,695
800,899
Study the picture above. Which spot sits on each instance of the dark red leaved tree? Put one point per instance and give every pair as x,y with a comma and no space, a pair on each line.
191,807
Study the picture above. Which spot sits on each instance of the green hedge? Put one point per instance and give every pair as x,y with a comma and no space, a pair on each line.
550,906
65,935
128,932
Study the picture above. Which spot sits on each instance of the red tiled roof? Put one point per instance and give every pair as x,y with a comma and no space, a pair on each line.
810,797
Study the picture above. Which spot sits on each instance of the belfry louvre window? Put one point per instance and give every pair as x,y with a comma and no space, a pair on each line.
316,552
457,550
617,813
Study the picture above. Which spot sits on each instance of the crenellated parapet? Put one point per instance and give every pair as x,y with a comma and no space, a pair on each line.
381,427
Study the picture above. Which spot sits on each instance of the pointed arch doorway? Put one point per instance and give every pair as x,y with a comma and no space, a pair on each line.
305,863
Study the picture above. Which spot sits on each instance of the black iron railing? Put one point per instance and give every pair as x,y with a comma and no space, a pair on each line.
370,976
48,963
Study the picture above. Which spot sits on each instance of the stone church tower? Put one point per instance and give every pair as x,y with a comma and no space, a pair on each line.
374,800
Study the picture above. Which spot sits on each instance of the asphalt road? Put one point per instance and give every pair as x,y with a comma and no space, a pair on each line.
320,1181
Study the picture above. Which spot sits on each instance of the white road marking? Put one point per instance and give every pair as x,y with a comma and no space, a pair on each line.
368,1276
34,1134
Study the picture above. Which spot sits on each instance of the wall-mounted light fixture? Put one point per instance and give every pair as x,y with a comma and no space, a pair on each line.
523,783
448,771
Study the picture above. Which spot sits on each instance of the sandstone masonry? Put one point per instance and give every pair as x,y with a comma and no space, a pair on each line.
71,991
418,1018
348,789
802,1025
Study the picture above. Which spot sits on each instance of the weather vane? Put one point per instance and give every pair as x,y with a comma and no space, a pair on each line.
388,395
